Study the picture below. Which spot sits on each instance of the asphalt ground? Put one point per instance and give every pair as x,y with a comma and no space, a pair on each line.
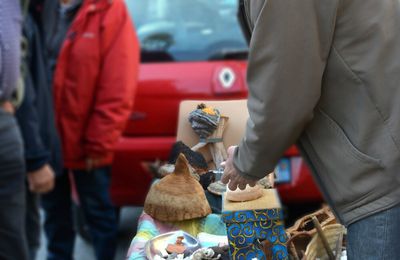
83,249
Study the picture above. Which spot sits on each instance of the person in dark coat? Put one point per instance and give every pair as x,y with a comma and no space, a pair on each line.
35,117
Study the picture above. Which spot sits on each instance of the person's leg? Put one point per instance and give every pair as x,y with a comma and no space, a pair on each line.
12,191
100,214
375,237
32,223
12,229
58,224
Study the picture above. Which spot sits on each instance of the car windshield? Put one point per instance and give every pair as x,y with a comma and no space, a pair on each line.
188,30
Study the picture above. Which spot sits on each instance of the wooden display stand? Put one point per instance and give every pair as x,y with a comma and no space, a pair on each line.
237,112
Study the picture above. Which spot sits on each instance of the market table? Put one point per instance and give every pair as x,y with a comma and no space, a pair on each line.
149,228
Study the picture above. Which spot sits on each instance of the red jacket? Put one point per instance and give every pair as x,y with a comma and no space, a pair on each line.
95,82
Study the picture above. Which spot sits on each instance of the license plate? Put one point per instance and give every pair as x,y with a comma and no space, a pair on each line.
282,171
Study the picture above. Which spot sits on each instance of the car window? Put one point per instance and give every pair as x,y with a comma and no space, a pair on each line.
187,30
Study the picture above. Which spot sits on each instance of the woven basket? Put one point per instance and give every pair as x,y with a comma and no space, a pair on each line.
324,216
315,248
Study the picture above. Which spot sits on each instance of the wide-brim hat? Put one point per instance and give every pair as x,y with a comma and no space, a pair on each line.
177,196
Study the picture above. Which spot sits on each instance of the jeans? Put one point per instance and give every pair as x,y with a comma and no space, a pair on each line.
12,191
375,237
92,188
32,223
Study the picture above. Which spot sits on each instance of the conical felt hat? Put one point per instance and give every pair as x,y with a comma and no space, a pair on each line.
178,196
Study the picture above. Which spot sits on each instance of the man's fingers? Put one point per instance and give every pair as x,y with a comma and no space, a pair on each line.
48,186
225,178
32,187
42,187
51,186
242,185
232,185
231,150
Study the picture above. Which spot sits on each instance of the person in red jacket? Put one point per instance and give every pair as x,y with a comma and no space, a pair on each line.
93,58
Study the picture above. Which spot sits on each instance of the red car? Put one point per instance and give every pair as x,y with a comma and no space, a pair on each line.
190,50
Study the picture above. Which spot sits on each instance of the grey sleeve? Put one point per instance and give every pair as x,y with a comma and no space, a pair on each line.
289,47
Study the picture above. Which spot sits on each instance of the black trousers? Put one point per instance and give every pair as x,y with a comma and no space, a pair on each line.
12,191
32,223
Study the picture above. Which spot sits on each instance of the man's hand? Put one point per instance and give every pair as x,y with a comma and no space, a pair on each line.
42,180
232,176
8,107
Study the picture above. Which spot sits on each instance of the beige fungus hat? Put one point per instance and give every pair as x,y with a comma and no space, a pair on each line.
178,196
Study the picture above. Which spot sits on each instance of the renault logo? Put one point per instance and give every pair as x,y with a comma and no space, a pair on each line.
227,77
